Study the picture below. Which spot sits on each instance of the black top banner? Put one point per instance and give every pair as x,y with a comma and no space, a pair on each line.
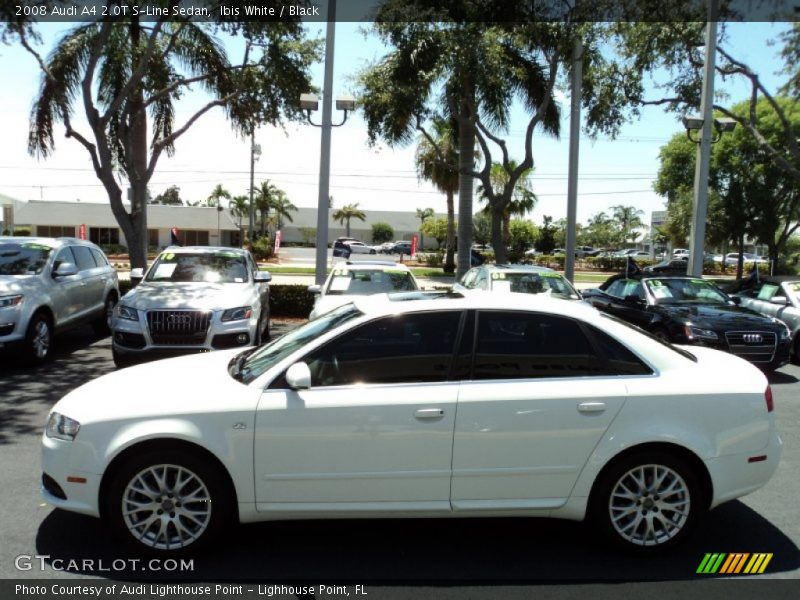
422,11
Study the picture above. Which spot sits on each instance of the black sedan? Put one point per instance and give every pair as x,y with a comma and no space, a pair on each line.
688,310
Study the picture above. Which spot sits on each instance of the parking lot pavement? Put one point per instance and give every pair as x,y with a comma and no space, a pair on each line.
418,554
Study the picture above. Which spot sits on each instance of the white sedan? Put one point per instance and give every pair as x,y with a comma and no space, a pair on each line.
361,248
487,405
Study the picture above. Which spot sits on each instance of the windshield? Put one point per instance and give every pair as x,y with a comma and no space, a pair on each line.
364,282
265,357
208,267
545,282
23,258
685,291
681,351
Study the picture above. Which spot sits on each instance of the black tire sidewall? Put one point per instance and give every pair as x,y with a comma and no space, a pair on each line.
30,353
101,325
598,508
221,512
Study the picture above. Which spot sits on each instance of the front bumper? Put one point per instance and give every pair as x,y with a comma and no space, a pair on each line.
134,338
57,465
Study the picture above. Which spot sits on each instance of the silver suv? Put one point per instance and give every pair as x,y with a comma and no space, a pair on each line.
49,284
192,299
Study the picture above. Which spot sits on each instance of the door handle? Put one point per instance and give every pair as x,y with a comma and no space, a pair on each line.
592,407
429,413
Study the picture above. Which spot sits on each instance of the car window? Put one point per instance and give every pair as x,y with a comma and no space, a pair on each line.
512,345
99,258
469,279
84,258
543,282
405,348
685,291
363,282
619,357
767,291
64,255
623,288
209,267
23,258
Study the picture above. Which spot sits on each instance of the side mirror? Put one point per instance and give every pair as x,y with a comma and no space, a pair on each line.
779,300
262,277
315,289
736,300
65,269
298,376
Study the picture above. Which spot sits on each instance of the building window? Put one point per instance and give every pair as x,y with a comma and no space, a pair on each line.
194,238
104,235
152,238
55,231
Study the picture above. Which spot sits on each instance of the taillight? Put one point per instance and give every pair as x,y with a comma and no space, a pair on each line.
768,398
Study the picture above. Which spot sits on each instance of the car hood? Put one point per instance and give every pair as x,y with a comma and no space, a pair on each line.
713,316
16,284
200,296
328,303
199,383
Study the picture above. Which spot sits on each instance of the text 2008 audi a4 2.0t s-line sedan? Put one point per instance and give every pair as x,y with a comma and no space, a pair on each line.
482,405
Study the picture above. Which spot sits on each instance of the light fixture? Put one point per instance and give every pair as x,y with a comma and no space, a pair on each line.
694,123
310,103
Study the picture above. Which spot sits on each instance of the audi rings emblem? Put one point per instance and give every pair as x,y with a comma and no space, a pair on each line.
753,338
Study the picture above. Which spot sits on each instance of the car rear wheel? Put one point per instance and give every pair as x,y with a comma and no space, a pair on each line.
38,339
168,501
647,502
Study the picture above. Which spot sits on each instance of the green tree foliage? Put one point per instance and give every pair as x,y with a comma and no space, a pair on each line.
127,75
482,228
382,232
272,206
423,214
309,234
240,209
546,241
170,196
346,213
217,195
523,200
437,229
629,219
522,236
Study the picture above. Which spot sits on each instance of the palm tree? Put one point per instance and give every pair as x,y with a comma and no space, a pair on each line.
523,200
239,208
263,200
282,207
347,212
628,219
126,76
423,214
217,194
435,164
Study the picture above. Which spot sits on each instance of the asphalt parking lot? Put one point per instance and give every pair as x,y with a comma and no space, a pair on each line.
429,554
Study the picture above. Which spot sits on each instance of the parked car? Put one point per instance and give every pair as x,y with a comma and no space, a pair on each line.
676,266
192,299
363,278
678,252
360,248
732,259
524,279
687,310
386,247
402,248
48,285
486,405
779,297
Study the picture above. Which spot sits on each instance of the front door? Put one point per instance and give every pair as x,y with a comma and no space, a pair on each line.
375,430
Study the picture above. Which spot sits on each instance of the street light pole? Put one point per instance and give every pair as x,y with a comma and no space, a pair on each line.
572,176
252,210
700,204
325,150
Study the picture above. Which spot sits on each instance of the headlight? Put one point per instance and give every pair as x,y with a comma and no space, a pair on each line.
61,427
238,314
6,301
127,313
698,333
786,333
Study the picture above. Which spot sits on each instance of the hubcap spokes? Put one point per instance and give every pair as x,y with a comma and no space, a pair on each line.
41,339
166,507
649,505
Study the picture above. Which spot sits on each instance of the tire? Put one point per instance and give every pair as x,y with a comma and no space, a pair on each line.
167,502
647,502
262,331
102,326
120,360
38,339
372,252
795,358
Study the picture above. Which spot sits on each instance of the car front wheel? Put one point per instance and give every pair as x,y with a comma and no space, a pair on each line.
102,326
647,502
38,339
166,502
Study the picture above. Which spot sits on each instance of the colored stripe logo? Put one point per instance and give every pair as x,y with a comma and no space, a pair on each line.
735,563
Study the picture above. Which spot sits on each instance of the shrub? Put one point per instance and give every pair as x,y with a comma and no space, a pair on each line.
382,232
433,259
263,249
290,301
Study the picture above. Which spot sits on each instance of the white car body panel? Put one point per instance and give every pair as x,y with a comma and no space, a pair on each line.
520,448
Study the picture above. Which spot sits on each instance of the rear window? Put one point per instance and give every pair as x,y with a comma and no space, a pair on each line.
364,282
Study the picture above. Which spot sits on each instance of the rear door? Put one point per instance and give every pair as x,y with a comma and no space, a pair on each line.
92,280
67,297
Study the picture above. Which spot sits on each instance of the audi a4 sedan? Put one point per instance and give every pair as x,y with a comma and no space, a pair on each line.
192,299
689,310
479,405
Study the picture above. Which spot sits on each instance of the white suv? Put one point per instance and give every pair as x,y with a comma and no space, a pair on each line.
49,284
192,299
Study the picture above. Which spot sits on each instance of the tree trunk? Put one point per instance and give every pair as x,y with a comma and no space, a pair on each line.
740,260
500,250
506,229
449,261
347,228
137,169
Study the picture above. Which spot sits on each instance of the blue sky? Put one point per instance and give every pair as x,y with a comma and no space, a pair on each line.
611,171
